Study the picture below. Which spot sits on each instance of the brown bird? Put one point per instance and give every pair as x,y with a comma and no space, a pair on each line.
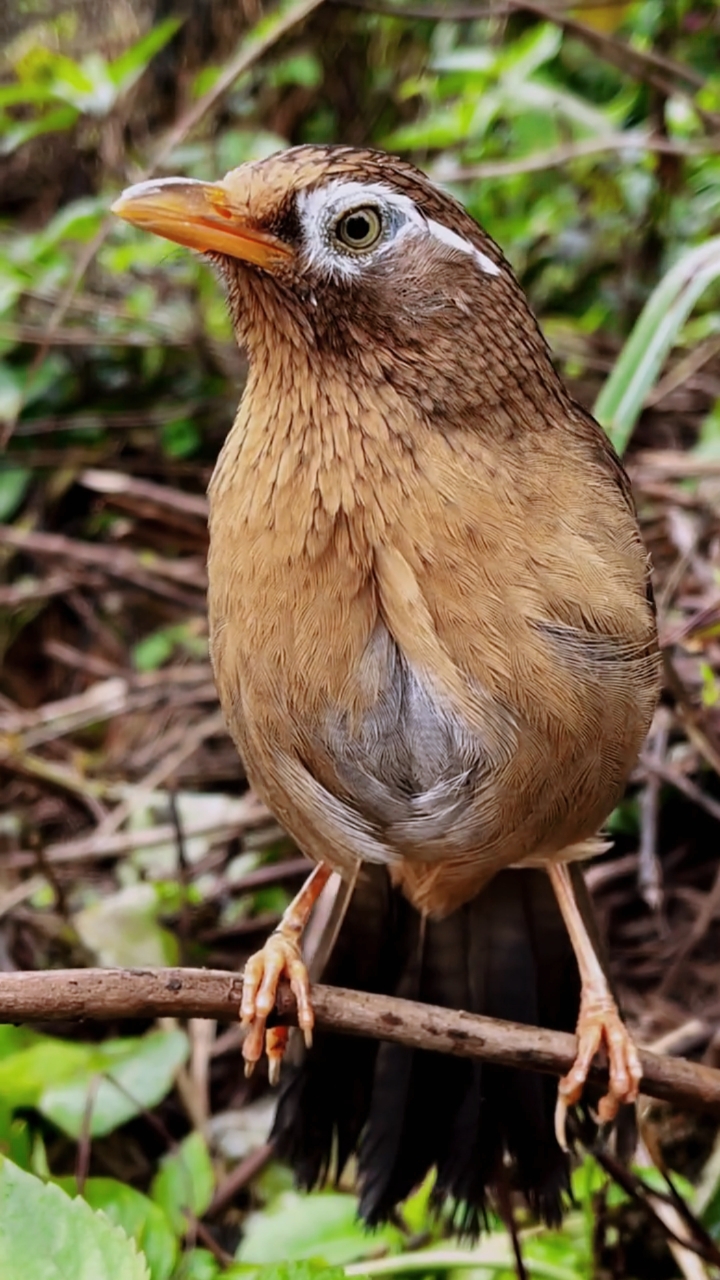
434,642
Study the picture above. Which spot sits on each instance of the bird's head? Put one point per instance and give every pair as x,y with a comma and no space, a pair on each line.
356,256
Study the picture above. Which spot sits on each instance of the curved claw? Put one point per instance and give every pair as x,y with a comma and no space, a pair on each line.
600,1024
279,958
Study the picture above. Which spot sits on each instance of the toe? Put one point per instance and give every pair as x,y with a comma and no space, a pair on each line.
561,1110
572,1085
253,1045
276,1040
624,1070
252,977
300,985
275,963
278,958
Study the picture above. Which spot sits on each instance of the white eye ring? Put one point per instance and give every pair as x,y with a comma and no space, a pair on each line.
359,229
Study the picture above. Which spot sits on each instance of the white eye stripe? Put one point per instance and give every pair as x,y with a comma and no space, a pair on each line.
317,209
454,241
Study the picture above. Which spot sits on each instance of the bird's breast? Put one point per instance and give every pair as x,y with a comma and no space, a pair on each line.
428,657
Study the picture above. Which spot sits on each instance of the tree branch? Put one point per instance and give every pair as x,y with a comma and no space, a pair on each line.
63,994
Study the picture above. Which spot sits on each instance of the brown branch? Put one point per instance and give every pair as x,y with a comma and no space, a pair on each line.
557,157
206,993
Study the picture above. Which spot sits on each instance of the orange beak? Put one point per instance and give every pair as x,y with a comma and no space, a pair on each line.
199,215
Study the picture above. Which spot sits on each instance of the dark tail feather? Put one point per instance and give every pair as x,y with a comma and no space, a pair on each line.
505,954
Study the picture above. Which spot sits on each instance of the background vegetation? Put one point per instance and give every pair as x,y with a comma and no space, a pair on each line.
587,141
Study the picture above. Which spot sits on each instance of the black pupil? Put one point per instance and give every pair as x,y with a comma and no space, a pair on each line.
358,227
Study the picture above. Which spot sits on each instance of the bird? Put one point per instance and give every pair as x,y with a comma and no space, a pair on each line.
434,641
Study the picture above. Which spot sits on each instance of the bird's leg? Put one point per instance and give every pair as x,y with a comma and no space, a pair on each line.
599,1022
279,958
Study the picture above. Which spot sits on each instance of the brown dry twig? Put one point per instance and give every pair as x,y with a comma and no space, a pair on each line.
205,993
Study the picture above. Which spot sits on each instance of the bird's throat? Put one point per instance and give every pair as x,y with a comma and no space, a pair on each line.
306,452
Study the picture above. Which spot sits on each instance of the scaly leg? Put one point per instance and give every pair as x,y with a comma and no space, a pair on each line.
280,957
599,1020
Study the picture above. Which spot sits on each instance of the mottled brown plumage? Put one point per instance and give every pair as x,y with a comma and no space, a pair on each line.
431,621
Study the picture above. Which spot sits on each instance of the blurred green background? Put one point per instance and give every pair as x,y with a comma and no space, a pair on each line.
586,140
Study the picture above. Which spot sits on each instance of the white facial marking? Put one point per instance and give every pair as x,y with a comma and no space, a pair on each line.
454,241
320,209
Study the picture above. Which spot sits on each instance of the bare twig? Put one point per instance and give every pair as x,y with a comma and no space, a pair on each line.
650,880
678,780
243,1173
207,993
114,845
116,482
193,738
170,579
556,157
645,64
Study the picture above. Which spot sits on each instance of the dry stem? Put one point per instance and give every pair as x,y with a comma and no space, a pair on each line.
205,993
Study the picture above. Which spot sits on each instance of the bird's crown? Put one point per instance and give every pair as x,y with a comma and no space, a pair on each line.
327,211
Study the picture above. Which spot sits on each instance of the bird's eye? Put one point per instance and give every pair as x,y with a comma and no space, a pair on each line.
360,229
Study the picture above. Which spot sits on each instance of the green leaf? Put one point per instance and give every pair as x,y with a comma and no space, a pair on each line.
140,1219
143,1068
708,444
15,1137
621,400
24,1075
185,1182
707,1197
11,393
128,68
153,650
57,120
14,482
199,1264
44,1235
180,438
87,86
302,68
324,1227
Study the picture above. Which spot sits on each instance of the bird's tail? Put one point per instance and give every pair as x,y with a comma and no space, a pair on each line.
486,1129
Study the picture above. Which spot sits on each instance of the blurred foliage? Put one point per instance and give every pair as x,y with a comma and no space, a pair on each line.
595,165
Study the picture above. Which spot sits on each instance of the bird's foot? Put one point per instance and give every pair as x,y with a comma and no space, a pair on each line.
279,958
600,1025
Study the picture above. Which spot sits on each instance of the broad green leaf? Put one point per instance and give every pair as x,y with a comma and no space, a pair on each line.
143,1068
324,1227
24,1075
185,1182
44,1235
137,1215
621,400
